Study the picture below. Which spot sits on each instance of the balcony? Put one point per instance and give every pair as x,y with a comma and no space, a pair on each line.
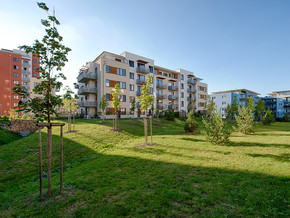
173,107
138,105
172,97
188,107
287,104
173,88
142,70
88,103
26,71
191,90
138,93
191,98
26,64
161,86
84,91
161,96
26,86
191,81
161,106
84,77
26,79
141,81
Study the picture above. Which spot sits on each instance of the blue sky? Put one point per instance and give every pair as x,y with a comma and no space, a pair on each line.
229,43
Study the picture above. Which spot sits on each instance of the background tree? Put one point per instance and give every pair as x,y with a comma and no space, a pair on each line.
269,118
228,112
190,124
216,131
133,106
103,105
245,117
260,109
146,100
52,55
116,103
70,105
234,108
209,106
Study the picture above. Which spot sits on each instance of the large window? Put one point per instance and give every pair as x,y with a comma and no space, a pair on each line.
122,85
15,59
182,86
131,75
107,69
151,69
15,74
108,97
123,98
107,82
131,63
121,72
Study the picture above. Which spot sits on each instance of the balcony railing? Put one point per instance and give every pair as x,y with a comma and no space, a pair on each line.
161,106
26,86
191,81
143,70
26,71
83,90
26,64
189,107
161,96
27,79
88,103
191,98
172,97
287,104
84,77
161,86
141,81
173,88
173,107
191,90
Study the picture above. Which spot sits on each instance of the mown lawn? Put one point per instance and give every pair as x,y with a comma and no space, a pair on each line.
7,136
106,174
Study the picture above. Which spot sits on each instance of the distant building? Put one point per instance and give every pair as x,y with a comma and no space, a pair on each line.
16,67
224,98
279,103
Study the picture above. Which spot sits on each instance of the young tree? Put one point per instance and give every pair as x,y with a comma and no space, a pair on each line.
269,118
228,112
133,106
103,105
146,100
190,124
209,106
260,109
71,107
215,129
52,55
234,107
116,103
245,117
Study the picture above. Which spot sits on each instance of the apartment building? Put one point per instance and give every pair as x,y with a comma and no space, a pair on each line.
279,103
172,89
224,98
16,67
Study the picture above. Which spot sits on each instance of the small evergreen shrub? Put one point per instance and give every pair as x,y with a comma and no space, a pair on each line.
268,118
169,115
191,124
215,129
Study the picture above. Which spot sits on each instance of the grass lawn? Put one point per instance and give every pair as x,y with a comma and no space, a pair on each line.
7,136
105,174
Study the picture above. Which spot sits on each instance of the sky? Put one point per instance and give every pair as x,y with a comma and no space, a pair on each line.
231,44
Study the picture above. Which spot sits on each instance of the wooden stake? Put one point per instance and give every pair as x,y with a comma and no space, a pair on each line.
49,151
61,157
145,130
40,163
151,129
74,122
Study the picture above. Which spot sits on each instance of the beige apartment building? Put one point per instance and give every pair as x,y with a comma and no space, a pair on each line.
172,89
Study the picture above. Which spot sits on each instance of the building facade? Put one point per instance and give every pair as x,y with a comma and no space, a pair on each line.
276,105
224,98
282,97
16,67
172,89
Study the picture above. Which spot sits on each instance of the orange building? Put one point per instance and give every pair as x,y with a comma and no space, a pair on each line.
16,67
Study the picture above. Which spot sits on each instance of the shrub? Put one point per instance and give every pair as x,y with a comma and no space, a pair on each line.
24,116
215,129
191,124
268,118
169,115
5,118
285,118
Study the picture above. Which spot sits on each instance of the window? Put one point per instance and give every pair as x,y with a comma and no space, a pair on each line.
122,85
182,94
199,95
107,69
131,63
155,71
131,87
25,62
199,88
108,97
121,72
151,69
34,67
107,82
15,104
131,75
123,98
224,97
34,61
15,59
117,59
182,77
15,82
15,97
15,74
224,103
34,74
182,103
204,89
213,98
123,111
16,67
182,86
35,84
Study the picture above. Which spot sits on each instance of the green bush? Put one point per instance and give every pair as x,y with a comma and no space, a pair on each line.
268,118
191,124
215,129
169,115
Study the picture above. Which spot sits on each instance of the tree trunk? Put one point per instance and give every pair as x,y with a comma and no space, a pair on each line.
40,163
116,120
103,117
49,151
151,129
145,130
74,126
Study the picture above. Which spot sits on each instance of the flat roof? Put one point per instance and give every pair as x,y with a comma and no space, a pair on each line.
237,90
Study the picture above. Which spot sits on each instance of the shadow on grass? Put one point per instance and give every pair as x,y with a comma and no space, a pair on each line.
114,185
254,144
281,158
193,140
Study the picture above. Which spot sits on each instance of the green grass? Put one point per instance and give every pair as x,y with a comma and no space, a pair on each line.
7,136
106,174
